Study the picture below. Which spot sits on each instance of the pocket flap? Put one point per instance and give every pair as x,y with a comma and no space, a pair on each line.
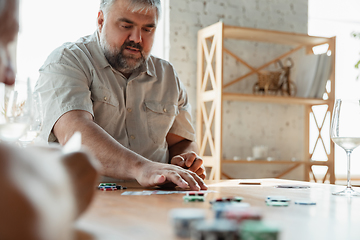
162,108
101,94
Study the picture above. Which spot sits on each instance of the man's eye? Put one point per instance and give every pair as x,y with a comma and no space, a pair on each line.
126,26
148,29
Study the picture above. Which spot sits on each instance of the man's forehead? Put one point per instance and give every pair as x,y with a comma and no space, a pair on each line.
127,6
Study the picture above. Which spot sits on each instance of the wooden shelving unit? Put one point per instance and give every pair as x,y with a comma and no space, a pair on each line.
212,89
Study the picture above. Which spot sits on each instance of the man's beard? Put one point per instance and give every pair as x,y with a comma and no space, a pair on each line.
119,61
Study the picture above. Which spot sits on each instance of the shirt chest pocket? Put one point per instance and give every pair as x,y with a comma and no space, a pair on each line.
160,118
105,106
103,95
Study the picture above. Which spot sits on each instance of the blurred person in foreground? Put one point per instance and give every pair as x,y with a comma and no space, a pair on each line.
130,106
43,190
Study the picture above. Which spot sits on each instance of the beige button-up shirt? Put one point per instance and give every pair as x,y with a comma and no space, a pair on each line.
138,112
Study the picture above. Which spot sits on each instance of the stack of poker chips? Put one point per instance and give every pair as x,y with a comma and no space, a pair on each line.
258,230
216,229
242,214
220,208
231,221
184,218
110,187
194,197
221,205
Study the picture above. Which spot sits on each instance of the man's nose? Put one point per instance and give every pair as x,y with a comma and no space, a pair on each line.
135,35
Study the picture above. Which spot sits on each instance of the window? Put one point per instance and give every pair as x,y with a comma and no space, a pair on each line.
46,25
340,19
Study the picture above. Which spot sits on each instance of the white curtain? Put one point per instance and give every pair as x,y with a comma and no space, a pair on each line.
313,72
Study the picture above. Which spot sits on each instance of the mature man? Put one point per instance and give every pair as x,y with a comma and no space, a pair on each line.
130,107
43,190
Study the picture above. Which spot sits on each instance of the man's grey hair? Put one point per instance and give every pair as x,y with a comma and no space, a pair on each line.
135,5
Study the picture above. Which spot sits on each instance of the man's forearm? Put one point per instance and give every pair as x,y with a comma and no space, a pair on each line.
117,161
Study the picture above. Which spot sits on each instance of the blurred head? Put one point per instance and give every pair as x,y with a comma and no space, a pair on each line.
9,26
126,30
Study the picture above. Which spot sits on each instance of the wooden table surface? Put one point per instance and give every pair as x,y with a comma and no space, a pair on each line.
115,216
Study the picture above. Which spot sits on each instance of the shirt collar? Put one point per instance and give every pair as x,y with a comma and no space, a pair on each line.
148,67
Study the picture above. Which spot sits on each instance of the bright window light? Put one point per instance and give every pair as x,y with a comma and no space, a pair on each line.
46,25
320,49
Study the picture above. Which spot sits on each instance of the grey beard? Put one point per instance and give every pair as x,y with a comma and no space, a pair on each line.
120,62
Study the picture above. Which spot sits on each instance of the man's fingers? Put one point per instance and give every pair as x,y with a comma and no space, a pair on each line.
158,173
183,182
201,182
202,176
190,158
178,160
201,171
197,163
189,178
191,161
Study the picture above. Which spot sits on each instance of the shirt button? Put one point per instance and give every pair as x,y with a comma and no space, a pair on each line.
165,110
129,110
132,137
105,98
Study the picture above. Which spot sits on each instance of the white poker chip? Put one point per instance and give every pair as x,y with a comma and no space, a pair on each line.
305,202
183,219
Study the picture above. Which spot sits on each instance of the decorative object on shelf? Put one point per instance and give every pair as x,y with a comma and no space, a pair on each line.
274,82
286,85
260,152
268,82
357,65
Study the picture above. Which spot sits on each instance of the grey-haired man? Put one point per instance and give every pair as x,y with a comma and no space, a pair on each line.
131,108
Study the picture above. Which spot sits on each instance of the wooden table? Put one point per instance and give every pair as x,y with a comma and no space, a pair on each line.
115,216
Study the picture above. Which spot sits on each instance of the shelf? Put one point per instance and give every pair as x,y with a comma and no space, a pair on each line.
211,92
261,35
272,99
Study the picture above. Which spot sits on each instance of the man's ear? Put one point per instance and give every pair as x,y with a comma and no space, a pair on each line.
100,20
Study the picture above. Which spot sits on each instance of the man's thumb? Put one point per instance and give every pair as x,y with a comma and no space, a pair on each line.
178,161
159,179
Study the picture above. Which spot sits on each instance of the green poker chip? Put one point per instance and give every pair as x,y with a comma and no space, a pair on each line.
194,198
107,184
258,230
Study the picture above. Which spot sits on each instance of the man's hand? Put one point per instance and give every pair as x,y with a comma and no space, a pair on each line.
153,174
190,161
